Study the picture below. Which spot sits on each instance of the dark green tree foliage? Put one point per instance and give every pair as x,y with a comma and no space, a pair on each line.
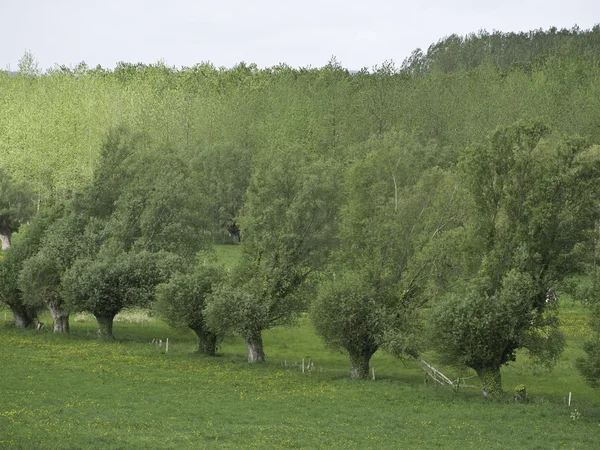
351,314
109,283
11,293
587,290
16,206
40,283
394,208
222,174
182,300
589,366
505,50
533,206
140,204
288,224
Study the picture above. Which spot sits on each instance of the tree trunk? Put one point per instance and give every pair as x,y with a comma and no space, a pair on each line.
235,233
5,238
23,317
207,342
491,381
105,326
60,318
255,348
359,364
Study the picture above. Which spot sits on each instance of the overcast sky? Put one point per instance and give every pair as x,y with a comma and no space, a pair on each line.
266,32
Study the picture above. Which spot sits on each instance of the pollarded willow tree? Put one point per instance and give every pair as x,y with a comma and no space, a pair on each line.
533,205
182,300
374,293
288,222
149,222
39,277
11,294
109,283
138,222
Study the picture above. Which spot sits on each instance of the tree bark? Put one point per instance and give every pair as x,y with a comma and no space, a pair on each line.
359,364
255,348
5,238
491,381
105,326
235,233
60,318
207,342
23,317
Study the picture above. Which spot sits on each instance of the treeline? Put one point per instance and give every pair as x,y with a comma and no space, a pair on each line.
504,50
404,210
53,124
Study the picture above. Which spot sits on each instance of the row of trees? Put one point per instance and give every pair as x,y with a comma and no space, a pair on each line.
397,205
393,247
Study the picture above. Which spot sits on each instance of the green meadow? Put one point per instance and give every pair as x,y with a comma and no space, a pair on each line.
75,392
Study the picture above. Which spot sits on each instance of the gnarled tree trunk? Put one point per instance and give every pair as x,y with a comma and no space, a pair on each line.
105,326
5,238
255,348
207,342
60,318
359,363
491,381
23,317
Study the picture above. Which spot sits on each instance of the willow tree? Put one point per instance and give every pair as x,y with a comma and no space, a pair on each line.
11,294
182,300
533,205
288,224
373,295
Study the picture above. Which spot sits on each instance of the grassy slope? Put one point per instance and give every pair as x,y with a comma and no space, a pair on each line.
75,392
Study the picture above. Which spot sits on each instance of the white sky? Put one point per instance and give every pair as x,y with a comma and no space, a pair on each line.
266,32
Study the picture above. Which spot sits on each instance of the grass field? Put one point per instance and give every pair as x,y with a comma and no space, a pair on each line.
75,392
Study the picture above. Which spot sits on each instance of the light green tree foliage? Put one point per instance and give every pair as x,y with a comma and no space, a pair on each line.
182,300
288,224
533,206
16,206
394,208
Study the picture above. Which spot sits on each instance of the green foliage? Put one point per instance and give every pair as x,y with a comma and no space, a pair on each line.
235,310
505,50
14,259
353,315
106,285
182,300
288,224
395,208
588,293
479,330
114,240
222,174
16,206
533,206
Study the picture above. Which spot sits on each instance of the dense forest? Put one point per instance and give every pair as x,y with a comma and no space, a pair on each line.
439,204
